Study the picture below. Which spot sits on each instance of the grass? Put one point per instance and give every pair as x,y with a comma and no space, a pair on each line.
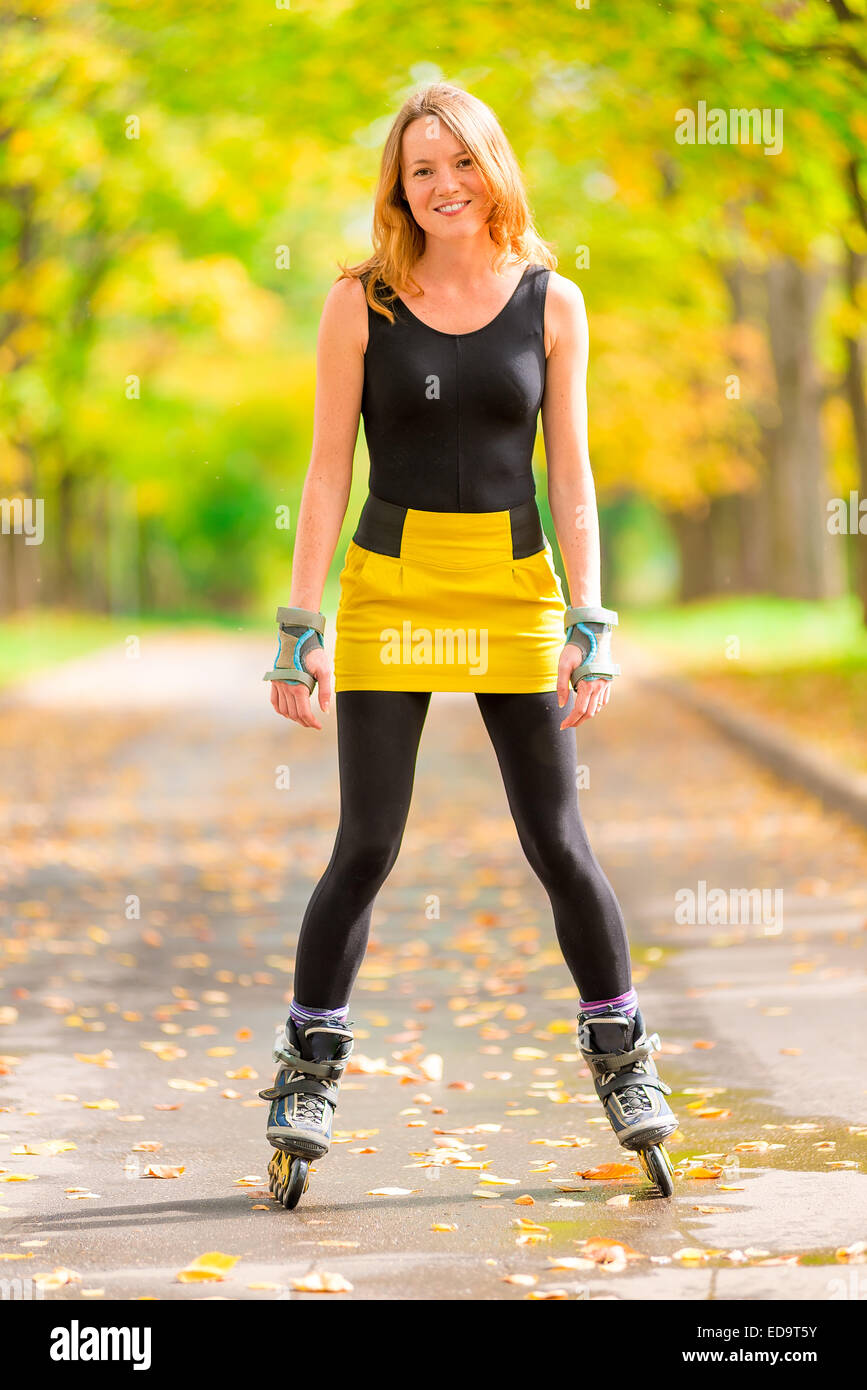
801,665
40,638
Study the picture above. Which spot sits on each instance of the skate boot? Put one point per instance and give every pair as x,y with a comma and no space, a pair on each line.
618,1053
311,1058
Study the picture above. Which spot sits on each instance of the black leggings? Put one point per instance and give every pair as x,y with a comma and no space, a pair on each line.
378,735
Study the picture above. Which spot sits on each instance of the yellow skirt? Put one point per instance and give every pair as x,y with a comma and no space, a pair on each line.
453,612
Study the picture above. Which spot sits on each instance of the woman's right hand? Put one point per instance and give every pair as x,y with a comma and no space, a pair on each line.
292,699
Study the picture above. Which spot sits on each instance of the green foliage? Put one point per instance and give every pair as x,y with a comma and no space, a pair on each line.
157,362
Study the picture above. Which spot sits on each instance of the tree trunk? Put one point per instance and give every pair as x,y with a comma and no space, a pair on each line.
858,407
808,562
692,532
742,526
855,264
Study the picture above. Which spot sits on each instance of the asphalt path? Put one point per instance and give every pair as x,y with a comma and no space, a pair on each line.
161,830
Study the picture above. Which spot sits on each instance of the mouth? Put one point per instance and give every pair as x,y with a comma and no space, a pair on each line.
452,209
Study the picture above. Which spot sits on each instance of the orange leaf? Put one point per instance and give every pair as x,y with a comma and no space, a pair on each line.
608,1172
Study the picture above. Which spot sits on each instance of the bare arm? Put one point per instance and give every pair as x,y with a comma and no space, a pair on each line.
339,382
340,351
571,489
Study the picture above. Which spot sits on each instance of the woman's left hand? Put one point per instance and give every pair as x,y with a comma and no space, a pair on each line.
590,696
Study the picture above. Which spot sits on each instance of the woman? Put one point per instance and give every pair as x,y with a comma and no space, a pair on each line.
448,340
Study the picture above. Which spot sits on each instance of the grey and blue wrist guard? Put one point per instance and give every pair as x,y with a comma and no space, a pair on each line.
590,629
300,631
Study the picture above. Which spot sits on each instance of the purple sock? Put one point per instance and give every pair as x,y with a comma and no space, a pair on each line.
621,1004
300,1013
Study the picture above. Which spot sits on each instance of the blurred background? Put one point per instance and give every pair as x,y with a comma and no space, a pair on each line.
180,182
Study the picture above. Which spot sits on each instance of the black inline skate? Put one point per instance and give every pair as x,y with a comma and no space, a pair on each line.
311,1060
618,1053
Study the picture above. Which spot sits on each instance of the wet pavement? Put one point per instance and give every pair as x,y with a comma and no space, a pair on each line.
161,835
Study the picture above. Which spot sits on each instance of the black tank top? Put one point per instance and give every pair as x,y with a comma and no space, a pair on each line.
450,418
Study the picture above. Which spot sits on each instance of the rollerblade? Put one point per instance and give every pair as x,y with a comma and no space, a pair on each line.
311,1060
618,1053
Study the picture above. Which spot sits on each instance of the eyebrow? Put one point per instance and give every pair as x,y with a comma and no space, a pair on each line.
457,154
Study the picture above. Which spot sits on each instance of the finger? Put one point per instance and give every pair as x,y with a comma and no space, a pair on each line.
564,671
579,708
284,703
303,709
295,703
325,687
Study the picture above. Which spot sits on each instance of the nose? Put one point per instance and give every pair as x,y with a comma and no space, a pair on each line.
446,183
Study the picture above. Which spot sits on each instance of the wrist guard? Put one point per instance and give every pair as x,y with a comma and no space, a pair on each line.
300,631
590,630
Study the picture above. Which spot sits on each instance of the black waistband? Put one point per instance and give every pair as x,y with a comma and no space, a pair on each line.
380,528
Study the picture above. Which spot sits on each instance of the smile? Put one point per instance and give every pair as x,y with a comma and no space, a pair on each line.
451,209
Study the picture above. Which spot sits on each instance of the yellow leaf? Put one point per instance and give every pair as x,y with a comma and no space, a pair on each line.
213,1265
96,1059
322,1283
570,1262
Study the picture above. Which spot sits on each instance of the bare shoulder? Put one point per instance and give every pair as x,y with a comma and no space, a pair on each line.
344,313
565,314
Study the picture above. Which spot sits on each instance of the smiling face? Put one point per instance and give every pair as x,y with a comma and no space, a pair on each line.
446,194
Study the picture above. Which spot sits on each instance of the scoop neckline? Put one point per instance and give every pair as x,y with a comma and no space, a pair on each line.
442,334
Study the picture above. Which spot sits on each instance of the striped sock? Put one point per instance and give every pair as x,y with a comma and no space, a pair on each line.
622,1004
300,1013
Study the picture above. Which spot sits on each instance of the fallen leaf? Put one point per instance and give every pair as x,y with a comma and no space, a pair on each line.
322,1283
610,1172
57,1278
212,1266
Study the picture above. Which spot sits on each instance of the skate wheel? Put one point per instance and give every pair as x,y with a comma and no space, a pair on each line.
297,1184
278,1173
659,1168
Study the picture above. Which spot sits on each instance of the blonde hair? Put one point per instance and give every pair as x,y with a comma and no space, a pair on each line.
398,241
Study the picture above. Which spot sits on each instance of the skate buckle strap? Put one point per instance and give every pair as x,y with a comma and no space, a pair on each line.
589,629
300,1087
299,1063
625,1079
613,1061
300,630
